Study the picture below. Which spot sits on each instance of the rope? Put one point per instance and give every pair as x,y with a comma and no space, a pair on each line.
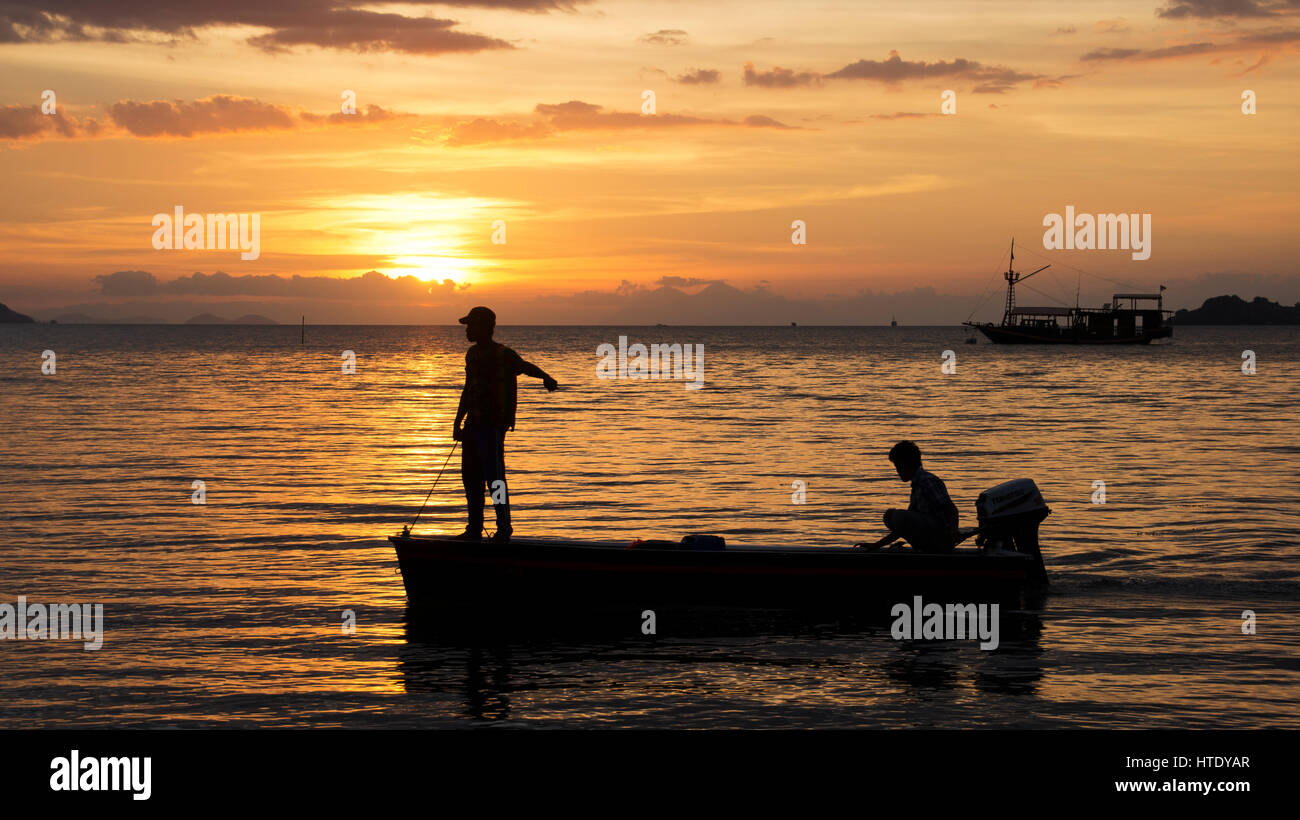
988,288
1043,293
411,526
1128,285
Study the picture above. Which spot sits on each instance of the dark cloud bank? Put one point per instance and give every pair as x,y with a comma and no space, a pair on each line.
674,300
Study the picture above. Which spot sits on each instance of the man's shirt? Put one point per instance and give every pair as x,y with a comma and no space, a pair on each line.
491,394
929,497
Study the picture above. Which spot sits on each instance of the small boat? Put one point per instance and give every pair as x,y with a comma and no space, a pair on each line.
1137,323
443,570
557,573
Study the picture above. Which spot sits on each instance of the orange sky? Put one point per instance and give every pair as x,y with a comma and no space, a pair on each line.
827,113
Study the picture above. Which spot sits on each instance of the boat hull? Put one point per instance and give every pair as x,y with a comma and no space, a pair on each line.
1015,336
566,575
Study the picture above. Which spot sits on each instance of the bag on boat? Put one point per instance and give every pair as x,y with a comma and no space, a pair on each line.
653,544
704,542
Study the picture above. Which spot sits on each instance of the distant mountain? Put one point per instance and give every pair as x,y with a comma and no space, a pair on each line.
83,319
7,315
213,319
1233,310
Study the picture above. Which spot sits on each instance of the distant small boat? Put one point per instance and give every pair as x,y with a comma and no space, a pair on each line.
794,324
1110,324
893,322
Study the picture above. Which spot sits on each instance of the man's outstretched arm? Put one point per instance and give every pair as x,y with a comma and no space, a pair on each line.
530,369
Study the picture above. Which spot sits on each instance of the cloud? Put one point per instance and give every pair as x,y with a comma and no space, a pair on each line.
374,297
894,69
1065,30
220,113
368,31
210,115
27,121
372,286
902,115
347,25
699,76
223,113
1187,50
1273,37
127,283
1246,41
665,37
720,303
576,115
1116,26
1179,9
779,77
676,282
1054,82
1263,60
760,121
479,131
370,114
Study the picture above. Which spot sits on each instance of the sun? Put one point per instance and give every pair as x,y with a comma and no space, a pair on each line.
426,236
433,269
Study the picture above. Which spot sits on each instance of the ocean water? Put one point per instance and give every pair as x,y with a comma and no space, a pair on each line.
230,613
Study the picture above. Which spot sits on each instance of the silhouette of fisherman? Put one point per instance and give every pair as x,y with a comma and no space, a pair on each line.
929,523
487,407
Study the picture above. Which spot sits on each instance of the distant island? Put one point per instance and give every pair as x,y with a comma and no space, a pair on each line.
83,319
7,315
1233,310
246,319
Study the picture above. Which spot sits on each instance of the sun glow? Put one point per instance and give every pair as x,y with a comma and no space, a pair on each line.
435,268
431,238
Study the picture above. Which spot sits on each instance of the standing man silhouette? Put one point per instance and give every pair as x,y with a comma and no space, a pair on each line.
487,408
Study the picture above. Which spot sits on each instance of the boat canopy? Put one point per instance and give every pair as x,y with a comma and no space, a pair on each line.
1042,311
1138,296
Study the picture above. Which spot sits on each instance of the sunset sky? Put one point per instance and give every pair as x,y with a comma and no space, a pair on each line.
531,112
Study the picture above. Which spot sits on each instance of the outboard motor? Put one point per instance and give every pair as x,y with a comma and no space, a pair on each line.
1009,515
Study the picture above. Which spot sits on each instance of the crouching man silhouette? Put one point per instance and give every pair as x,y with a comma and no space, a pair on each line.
930,521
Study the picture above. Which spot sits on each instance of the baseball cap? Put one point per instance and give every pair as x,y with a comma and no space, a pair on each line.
479,313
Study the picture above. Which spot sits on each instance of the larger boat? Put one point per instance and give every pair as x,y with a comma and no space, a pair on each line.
1130,318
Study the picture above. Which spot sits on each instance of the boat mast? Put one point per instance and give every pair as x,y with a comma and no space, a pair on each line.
1012,278
1011,284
